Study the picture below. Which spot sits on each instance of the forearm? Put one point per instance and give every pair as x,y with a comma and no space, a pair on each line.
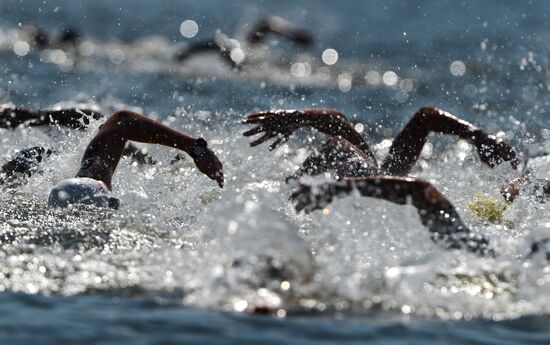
330,122
439,121
72,117
436,212
140,128
13,117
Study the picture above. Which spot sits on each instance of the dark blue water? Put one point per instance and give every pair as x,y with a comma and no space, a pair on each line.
152,273
104,320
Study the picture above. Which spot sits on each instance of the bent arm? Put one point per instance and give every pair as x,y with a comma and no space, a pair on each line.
435,211
105,150
408,144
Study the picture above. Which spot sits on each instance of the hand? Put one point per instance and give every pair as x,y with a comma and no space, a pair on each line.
207,162
493,151
281,124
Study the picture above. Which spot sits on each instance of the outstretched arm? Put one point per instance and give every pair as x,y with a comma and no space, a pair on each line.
280,26
282,123
72,118
407,145
106,148
435,211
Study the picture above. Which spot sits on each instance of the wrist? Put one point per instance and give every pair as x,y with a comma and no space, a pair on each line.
198,147
477,136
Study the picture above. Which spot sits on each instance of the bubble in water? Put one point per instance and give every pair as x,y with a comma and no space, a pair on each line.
21,48
344,82
406,85
300,69
189,28
329,56
470,90
390,78
373,78
458,68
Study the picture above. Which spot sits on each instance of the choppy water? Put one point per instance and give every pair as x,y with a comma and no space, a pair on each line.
180,253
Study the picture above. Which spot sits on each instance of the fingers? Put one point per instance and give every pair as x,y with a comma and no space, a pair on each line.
263,139
256,118
277,142
219,178
254,131
267,116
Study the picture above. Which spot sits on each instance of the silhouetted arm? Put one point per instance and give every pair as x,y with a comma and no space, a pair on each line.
282,123
435,211
106,148
408,144
72,117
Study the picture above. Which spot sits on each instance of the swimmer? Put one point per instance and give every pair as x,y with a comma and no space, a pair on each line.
92,183
223,45
349,155
26,162
43,39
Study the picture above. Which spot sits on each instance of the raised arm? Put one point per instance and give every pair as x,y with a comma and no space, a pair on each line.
279,26
407,145
435,211
106,148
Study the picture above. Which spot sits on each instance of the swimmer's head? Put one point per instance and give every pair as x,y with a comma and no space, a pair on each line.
81,190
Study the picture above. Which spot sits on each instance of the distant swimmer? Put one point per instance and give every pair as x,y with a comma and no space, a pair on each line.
224,45
43,39
92,183
348,154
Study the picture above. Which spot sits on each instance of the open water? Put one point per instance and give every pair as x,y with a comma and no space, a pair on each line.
183,261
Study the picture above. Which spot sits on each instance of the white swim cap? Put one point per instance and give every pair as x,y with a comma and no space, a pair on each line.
80,190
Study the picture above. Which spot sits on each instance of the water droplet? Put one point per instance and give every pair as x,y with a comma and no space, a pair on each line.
21,48
189,28
458,68
329,56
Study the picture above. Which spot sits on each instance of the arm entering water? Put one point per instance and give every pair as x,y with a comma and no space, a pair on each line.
106,148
